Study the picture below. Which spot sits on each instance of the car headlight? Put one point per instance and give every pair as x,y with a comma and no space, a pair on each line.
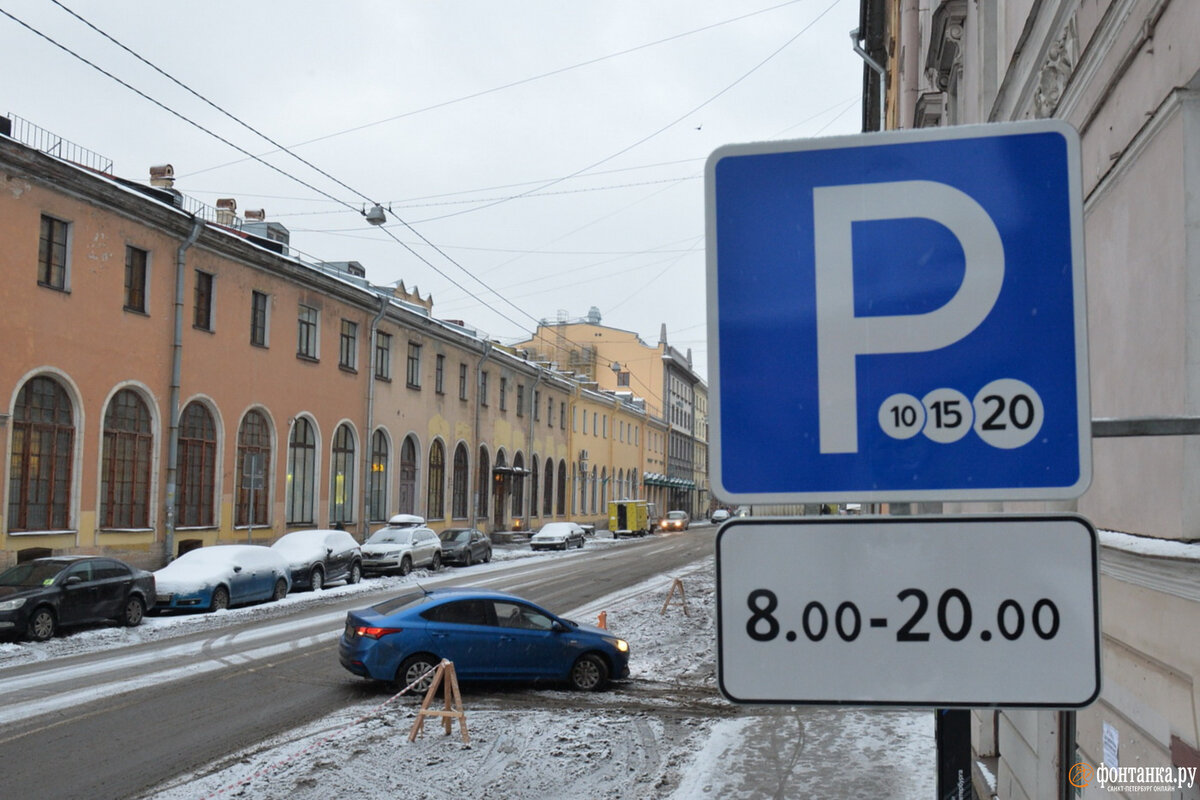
12,605
621,645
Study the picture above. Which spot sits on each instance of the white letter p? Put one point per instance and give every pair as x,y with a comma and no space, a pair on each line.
842,336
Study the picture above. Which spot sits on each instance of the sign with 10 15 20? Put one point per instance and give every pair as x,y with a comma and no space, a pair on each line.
899,316
932,611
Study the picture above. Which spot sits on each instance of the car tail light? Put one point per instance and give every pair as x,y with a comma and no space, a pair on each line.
370,632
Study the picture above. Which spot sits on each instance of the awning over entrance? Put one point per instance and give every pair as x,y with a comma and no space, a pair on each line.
658,479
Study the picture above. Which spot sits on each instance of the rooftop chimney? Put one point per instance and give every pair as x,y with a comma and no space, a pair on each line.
255,214
162,176
226,211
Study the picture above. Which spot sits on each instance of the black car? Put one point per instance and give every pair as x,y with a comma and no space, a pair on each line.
318,557
465,546
42,595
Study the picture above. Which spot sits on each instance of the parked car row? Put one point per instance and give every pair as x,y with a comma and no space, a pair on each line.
40,596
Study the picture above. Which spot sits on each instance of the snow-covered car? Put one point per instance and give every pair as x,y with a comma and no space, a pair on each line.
719,515
405,521
557,536
221,576
465,546
317,557
401,549
39,596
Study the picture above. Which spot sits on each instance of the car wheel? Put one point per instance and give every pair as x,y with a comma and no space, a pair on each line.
355,573
487,555
590,673
317,579
412,669
220,599
280,592
41,625
436,563
405,565
467,560
133,613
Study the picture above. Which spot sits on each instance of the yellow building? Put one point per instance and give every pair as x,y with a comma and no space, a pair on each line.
661,378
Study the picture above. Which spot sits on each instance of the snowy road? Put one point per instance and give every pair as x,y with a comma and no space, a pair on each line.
179,693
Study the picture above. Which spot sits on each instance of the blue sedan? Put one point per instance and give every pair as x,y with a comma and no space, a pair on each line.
215,578
492,636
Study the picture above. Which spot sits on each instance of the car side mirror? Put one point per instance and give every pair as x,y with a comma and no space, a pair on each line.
559,627
237,568
73,580
328,551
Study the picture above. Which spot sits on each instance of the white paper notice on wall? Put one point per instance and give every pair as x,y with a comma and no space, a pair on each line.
1112,742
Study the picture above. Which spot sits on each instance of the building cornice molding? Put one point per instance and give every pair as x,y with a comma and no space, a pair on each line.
1179,577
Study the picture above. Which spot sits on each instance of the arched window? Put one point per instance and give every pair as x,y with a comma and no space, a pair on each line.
562,487
533,486
582,489
484,482
595,490
548,490
341,476
253,470
301,473
197,467
499,498
377,481
436,497
408,476
620,493
43,443
518,486
459,502
125,463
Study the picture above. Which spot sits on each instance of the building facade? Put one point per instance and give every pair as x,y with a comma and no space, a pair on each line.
1125,74
660,379
173,378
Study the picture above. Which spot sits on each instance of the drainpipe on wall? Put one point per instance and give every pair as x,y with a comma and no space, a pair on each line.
487,352
856,38
369,430
176,373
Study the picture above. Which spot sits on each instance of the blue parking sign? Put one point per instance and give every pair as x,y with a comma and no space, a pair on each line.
899,316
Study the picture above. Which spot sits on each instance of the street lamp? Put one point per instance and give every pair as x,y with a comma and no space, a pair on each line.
376,215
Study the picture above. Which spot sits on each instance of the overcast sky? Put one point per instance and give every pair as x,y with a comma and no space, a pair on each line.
539,158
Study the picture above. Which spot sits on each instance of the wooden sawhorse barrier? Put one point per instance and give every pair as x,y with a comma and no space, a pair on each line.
453,708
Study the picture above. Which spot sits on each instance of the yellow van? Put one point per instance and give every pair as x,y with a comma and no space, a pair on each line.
629,517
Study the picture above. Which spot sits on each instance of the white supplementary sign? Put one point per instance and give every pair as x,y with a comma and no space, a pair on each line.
914,611
899,316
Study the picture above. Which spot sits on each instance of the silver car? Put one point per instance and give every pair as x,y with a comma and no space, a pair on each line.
557,536
400,550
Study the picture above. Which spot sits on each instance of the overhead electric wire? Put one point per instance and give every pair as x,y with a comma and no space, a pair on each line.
286,174
222,139
346,186
650,136
520,82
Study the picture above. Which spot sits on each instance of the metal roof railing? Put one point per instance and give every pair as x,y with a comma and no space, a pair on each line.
52,144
